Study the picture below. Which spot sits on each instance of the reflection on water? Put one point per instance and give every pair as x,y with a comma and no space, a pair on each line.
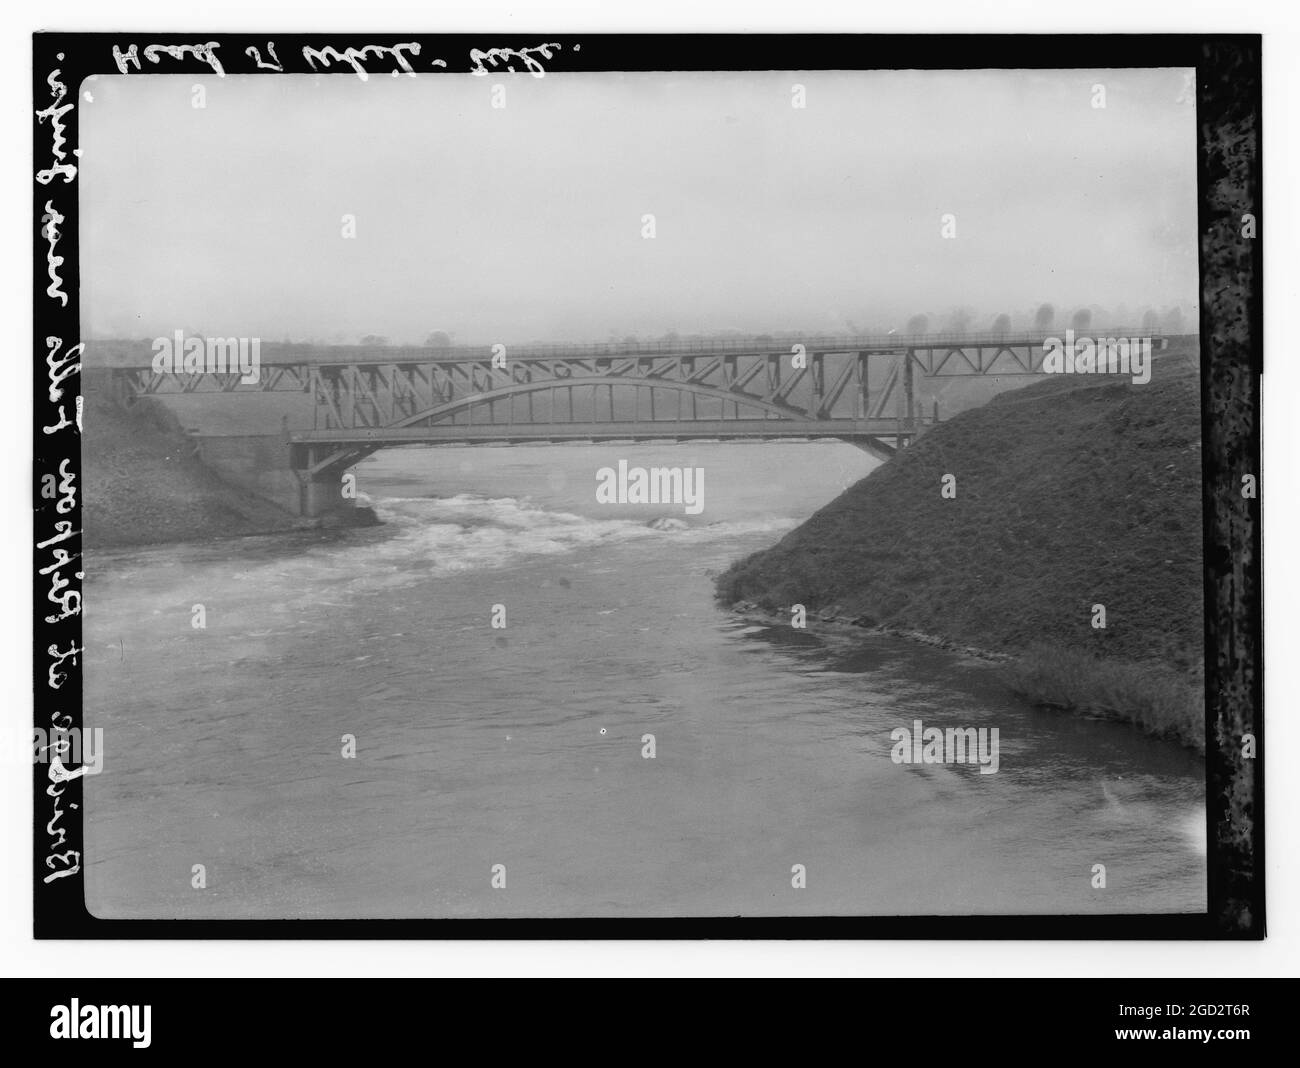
524,746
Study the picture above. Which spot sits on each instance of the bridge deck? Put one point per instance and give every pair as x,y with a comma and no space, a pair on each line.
658,430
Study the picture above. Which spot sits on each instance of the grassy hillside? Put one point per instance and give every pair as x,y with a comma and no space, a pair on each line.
1075,491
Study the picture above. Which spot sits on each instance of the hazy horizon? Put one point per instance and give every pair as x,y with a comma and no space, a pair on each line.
525,223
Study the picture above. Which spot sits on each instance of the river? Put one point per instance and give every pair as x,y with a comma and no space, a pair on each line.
517,754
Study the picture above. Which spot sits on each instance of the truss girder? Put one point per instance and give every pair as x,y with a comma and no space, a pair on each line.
829,379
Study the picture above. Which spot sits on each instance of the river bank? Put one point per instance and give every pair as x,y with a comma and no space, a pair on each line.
146,485
1069,543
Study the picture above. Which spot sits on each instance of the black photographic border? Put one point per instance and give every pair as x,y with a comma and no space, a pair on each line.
1230,185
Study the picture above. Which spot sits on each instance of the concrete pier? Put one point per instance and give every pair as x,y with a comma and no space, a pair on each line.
266,464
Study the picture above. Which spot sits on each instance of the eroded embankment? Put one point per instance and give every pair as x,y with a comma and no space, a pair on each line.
1075,492
145,485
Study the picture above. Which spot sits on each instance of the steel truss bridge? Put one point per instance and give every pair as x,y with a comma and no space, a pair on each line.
857,389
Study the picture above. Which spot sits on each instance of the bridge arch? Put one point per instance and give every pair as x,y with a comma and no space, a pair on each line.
328,462
518,389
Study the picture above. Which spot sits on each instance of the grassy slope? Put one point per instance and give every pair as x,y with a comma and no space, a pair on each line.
1074,491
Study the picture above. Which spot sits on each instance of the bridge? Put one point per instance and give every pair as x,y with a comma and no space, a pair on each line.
856,389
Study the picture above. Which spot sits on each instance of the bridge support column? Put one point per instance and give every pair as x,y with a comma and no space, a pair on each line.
323,495
320,480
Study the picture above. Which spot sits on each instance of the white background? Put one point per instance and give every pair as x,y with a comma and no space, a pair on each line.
1278,955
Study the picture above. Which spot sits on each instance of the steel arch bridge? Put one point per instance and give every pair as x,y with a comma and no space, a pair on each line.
857,389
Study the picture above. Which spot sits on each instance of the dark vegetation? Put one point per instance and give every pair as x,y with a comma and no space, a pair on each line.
1072,492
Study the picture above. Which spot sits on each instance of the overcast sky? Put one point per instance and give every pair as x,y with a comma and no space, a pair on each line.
525,223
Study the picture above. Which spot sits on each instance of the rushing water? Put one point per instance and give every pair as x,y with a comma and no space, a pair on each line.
523,746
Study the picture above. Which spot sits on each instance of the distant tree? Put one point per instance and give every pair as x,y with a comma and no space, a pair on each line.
1172,321
1150,321
374,339
958,321
1044,317
1002,324
1081,320
439,339
918,324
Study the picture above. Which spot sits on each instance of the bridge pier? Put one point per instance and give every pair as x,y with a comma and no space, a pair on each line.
319,496
304,479
320,470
